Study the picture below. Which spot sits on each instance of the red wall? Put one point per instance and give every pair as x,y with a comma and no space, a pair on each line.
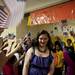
53,14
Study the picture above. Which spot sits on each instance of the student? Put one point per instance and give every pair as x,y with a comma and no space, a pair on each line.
58,58
8,68
69,58
4,57
39,60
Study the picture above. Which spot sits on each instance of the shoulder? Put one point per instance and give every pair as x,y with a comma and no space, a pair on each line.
60,51
30,50
28,55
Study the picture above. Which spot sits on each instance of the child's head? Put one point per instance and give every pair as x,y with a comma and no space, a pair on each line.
69,42
58,45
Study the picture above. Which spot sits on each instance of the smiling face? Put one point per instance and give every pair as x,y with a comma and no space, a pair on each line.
28,41
43,40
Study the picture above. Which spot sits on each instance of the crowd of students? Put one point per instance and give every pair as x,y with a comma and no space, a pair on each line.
38,56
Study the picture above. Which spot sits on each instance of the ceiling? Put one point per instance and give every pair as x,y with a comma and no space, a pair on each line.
32,5
38,4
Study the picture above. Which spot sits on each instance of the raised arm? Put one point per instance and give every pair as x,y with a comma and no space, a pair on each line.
21,58
11,53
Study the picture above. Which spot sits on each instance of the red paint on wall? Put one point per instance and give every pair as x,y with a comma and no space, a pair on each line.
53,14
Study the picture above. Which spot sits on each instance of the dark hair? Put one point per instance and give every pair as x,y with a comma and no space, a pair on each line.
58,43
49,44
69,40
12,60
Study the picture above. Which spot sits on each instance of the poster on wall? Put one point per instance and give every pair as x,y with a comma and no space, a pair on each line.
53,14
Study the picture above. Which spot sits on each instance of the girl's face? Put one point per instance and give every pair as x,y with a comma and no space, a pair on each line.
28,41
69,42
57,47
43,40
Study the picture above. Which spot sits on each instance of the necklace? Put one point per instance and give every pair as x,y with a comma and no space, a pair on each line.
43,50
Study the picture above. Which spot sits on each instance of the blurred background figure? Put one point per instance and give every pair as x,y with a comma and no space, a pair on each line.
69,58
58,58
